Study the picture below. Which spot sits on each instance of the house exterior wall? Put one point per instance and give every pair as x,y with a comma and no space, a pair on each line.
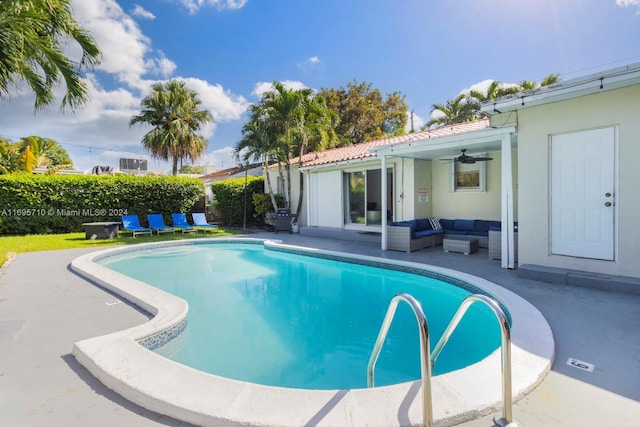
325,197
472,204
620,108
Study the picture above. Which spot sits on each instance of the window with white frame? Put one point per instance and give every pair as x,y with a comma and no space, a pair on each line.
468,177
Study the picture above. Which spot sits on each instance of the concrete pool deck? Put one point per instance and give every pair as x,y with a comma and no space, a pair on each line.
45,308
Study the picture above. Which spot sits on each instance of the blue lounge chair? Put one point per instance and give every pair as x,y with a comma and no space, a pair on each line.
180,221
132,224
157,223
200,221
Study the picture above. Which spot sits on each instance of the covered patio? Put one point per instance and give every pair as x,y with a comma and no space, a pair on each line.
490,139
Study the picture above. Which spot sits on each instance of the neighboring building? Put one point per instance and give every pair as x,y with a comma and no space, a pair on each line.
564,166
254,169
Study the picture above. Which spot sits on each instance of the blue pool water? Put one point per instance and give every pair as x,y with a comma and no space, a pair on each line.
290,320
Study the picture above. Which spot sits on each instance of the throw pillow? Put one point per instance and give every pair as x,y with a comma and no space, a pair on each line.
435,223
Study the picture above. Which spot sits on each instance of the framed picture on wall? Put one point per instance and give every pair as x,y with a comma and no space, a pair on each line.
468,180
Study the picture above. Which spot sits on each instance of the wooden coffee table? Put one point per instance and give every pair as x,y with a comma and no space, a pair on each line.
461,244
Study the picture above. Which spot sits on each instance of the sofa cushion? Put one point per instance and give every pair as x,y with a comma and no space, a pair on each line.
423,224
485,226
425,233
446,224
464,224
410,223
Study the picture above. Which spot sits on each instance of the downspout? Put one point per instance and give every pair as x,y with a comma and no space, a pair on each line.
383,190
508,253
307,184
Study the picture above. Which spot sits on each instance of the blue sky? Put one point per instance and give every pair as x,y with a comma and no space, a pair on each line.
230,50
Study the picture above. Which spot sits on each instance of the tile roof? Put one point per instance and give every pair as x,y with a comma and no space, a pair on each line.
361,151
221,174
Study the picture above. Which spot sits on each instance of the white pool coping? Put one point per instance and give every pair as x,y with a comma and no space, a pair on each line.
167,387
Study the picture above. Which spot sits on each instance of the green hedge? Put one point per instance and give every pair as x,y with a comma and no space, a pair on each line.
229,199
60,204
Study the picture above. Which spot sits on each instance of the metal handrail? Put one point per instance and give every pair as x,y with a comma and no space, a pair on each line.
425,358
505,346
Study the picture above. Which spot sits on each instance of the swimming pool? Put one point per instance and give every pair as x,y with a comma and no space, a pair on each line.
170,388
313,320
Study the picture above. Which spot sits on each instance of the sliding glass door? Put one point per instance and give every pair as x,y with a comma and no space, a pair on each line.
363,197
355,197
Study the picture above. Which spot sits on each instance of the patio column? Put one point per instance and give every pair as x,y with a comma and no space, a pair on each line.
383,214
508,253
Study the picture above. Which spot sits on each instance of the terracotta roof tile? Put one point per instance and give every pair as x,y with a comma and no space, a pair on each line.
361,151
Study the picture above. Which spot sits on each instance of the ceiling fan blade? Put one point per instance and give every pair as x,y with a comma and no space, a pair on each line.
482,159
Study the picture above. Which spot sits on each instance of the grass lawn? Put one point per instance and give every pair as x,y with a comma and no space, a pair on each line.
49,242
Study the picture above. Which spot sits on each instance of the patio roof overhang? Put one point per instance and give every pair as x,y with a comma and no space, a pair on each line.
598,82
489,139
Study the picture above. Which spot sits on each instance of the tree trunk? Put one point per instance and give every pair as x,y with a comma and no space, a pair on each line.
301,189
175,166
271,195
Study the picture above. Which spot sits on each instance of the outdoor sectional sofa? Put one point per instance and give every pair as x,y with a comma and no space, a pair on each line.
415,234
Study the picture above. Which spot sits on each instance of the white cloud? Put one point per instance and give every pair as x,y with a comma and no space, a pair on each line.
221,159
480,86
484,85
262,87
194,5
141,12
309,63
626,3
161,65
124,46
222,104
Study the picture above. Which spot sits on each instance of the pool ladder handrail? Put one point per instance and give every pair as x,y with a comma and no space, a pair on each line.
425,350
426,355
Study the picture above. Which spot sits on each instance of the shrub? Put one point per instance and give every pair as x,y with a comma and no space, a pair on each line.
230,196
262,205
60,204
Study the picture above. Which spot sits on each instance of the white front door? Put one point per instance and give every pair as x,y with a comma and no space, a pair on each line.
582,194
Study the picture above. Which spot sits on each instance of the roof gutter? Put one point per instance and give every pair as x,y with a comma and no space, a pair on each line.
445,142
608,80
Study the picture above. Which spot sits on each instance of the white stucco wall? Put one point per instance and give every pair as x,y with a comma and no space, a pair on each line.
619,108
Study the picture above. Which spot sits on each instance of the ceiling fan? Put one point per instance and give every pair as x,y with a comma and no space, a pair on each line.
469,160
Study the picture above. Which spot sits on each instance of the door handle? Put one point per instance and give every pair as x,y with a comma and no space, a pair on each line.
607,204
607,194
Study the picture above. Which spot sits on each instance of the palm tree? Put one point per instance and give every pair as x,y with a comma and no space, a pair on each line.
497,90
457,110
284,109
287,123
317,132
550,80
173,111
257,143
32,38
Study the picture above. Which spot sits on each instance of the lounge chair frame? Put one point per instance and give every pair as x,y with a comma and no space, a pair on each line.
156,222
200,221
180,222
132,223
